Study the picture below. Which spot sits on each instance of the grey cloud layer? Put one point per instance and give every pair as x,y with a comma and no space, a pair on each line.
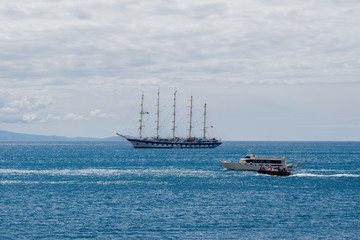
59,42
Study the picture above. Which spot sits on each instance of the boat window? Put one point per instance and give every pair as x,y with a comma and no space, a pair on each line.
276,162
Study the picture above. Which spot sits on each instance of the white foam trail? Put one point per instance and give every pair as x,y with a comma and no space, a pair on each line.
10,182
4,182
331,170
34,182
109,172
322,175
61,172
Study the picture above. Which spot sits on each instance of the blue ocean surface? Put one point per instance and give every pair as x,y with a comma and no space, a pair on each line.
109,190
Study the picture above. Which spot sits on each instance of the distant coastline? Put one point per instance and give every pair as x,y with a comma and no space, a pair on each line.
12,136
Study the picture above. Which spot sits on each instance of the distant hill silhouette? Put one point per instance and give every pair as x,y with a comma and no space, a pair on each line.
12,136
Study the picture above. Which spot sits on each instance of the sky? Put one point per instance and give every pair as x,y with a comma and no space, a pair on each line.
267,69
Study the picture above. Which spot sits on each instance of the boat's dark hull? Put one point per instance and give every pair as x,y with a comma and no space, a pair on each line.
137,143
276,173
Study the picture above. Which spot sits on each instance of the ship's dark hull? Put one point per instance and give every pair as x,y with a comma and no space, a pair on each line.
277,173
137,143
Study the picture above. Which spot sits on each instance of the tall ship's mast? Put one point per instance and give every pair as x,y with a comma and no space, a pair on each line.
174,114
141,115
204,129
158,114
190,123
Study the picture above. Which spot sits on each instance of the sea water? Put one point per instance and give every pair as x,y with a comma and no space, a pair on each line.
109,190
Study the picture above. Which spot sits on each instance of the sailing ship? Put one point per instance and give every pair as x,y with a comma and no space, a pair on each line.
174,142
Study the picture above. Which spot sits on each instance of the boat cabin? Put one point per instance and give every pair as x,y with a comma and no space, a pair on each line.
263,159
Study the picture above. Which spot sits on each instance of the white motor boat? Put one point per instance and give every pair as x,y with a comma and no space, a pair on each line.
253,163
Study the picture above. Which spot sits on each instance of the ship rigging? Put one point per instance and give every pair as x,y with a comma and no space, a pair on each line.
174,142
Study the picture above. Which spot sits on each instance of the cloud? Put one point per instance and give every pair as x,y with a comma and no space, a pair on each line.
50,117
97,113
29,117
93,114
73,116
34,117
9,110
22,106
261,42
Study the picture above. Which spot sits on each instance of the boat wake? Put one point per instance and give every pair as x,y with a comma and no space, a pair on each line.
122,182
109,172
307,174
